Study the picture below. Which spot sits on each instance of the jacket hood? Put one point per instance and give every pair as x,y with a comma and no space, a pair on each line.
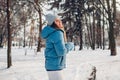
47,31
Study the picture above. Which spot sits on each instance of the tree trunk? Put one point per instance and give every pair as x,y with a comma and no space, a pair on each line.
1,37
9,62
103,28
1,40
40,28
103,34
111,27
24,41
93,37
88,31
79,24
80,33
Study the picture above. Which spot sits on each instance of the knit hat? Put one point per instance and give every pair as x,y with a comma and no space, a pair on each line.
50,18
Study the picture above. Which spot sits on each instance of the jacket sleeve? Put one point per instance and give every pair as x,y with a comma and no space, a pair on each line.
60,47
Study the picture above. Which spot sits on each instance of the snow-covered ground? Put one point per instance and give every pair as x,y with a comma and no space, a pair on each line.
79,65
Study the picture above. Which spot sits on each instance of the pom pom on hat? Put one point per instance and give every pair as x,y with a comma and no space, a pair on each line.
50,18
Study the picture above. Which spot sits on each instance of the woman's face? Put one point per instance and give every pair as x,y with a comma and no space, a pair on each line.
58,22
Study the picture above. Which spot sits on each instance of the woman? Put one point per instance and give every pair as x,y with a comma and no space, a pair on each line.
56,47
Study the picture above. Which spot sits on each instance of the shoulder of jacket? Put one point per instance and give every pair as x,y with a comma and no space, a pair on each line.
56,35
58,31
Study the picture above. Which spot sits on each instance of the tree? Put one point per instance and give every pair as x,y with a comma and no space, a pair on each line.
9,62
111,20
37,5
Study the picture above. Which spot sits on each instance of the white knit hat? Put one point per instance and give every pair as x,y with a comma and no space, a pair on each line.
50,18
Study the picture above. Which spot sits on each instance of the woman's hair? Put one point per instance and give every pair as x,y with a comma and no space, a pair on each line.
54,25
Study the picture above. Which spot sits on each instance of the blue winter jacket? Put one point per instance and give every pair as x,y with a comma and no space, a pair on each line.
56,49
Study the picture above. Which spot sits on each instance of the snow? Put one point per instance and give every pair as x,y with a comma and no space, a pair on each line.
79,65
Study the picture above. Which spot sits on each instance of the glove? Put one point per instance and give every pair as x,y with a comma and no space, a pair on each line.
70,46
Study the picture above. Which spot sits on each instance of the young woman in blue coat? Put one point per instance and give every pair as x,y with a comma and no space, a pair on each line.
56,47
